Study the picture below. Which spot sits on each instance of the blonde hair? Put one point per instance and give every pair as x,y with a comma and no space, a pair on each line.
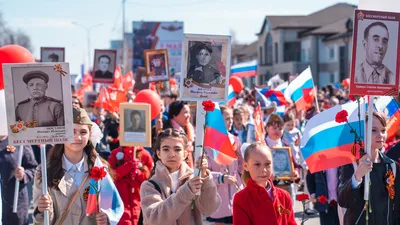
251,148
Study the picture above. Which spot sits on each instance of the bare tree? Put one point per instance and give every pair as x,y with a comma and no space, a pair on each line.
9,36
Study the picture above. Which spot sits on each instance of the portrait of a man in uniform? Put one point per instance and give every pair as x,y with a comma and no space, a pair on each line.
375,43
103,71
201,69
53,57
46,111
136,121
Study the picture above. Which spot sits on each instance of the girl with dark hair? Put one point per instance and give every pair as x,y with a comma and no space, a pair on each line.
68,167
171,195
202,71
384,183
260,202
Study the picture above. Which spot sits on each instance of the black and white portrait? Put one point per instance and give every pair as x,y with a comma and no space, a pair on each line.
48,54
90,99
282,162
104,66
135,124
38,102
376,52
134,121
163,88
33,101
205,67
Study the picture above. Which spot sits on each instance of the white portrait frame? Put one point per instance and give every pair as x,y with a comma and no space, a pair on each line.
28,134
205,92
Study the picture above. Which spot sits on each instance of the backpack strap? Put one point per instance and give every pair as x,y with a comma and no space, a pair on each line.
156,186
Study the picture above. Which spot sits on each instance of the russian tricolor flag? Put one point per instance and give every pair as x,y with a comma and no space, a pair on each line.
110,200
216,137
231,96
245,69
282,87
389,106
273,95
300,90
327,144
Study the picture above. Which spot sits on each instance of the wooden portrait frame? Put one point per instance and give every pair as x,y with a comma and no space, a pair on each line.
44,49
145,136
150,75
286,175
112,54
220,63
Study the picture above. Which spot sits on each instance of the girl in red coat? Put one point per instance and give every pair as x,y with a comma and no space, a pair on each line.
261,202
132,166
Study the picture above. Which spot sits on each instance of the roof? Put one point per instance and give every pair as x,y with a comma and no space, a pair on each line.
275,21
236,48
323,17
250,49
339,26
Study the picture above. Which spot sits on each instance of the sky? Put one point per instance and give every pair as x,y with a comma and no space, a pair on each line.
49,23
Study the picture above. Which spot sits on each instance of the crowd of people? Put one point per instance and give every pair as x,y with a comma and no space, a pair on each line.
159,185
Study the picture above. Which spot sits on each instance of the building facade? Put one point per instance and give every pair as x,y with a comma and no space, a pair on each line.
322,40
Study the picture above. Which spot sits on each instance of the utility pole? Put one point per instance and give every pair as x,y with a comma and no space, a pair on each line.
123,63
87,29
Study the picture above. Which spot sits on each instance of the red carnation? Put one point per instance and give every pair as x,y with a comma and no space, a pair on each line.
341,116
302,197
208,105
97,173
352,98
322,199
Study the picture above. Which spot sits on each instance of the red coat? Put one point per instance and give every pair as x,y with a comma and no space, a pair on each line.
252,205
130,174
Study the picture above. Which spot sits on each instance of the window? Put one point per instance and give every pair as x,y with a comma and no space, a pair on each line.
292,52
332,78
304,55
332,53
268,50
260,52
276,52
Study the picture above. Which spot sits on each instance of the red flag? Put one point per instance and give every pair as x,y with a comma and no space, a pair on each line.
127,81
104,100
309,95
117,78
87,79
116,97
258,124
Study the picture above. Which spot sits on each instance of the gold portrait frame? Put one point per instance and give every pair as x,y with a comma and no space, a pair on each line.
283,174
146,139
151,52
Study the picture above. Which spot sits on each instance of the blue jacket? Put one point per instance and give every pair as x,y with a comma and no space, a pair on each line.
317,184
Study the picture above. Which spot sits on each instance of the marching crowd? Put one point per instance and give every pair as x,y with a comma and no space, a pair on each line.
158,185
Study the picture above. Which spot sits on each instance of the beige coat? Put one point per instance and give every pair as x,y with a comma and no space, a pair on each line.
61,199
175,208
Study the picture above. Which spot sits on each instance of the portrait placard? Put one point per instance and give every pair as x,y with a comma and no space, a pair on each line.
157,67
163,88
90,98
140,80
283,163
375,59
135,127
50,54
104,65
205,67
33,116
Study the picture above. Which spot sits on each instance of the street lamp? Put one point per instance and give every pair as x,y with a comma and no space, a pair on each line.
87,29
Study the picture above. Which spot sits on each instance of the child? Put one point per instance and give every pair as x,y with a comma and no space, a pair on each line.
169,197
261,202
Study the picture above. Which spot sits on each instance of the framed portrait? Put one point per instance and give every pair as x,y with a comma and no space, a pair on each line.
375,58
205,67
135,127
283,164
104,65
163,88
38,103
157,66
140,80
90,98
49,54
193,109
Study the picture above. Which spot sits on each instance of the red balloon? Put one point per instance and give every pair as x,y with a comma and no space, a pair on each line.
152,98
237,84
13,54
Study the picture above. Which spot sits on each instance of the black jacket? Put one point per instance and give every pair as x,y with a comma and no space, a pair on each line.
317,184
383,208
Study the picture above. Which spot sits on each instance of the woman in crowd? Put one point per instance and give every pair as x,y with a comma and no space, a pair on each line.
383,207
227,178
68,168
174,195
